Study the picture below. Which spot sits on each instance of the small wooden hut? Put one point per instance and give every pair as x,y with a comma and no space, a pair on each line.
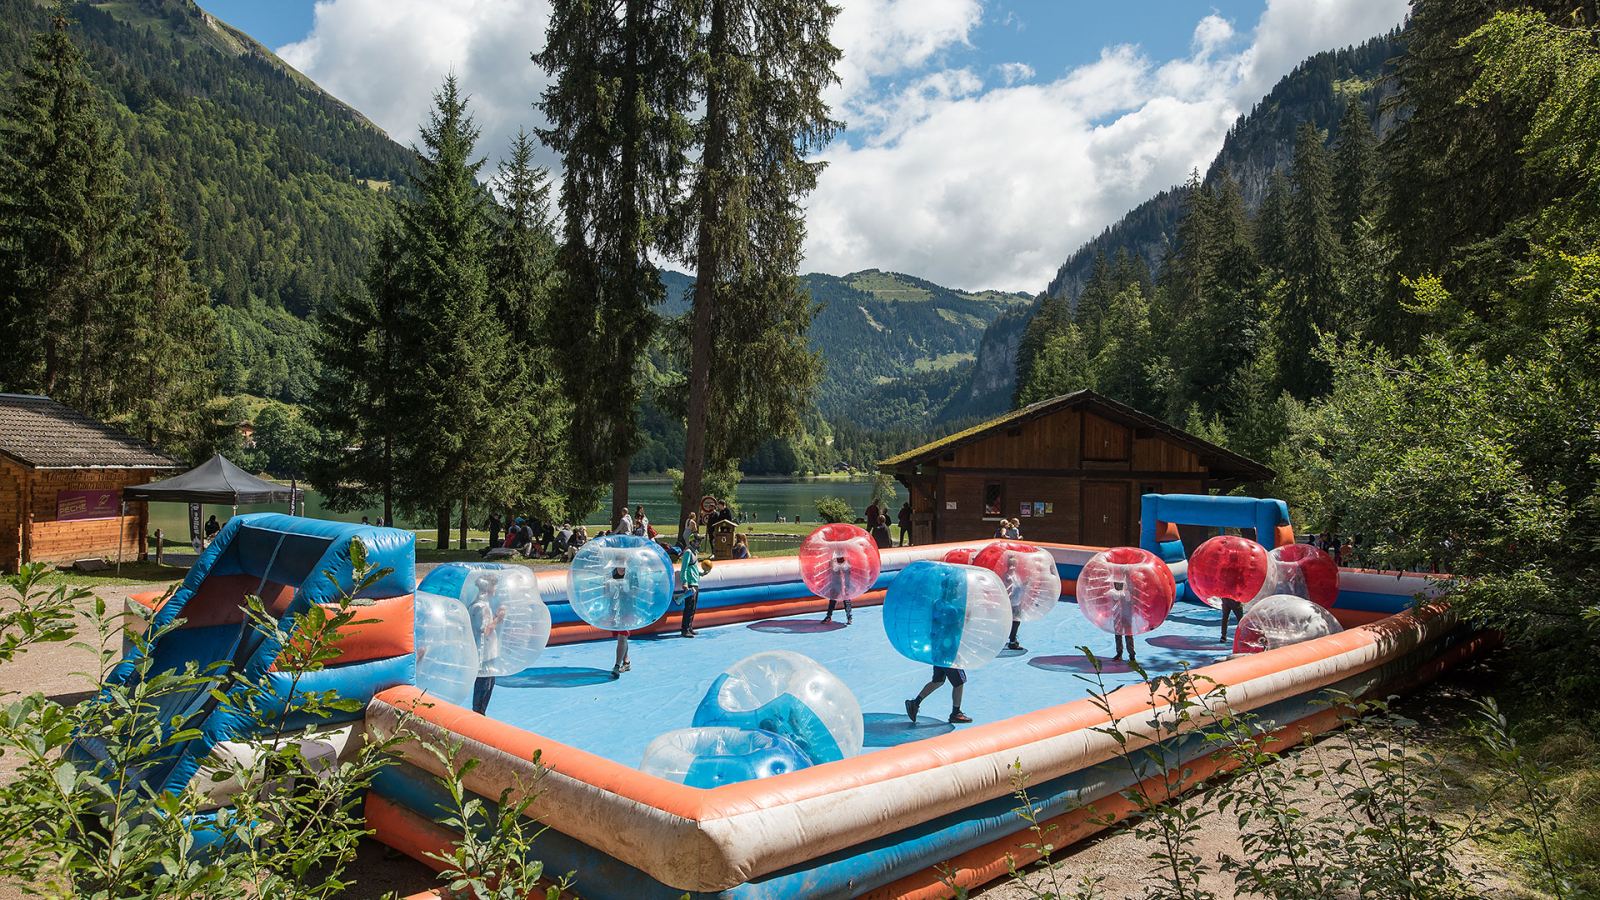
1071,468
61,480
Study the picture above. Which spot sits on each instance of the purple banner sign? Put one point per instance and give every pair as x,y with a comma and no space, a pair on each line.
73,506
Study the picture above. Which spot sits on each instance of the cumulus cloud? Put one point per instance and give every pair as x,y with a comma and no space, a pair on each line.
388,57
996,187
975,178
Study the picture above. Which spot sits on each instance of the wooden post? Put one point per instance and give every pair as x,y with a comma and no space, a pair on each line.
463,521
159,539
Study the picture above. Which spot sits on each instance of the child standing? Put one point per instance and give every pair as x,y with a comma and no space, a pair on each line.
689,580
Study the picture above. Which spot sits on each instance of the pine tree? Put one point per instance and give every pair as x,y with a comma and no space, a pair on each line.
1227,305
1093,302
1035,380
97,302
522,279
359,404
1355,172
64,221
761,71
465,417
163,388
1311,269
1126,368
1272,224
616,105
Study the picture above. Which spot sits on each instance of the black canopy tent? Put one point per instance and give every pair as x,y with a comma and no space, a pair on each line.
216,481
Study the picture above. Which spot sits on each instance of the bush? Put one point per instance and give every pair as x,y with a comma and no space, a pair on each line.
835,509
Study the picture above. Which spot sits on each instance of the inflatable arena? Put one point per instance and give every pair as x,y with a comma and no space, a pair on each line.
799,746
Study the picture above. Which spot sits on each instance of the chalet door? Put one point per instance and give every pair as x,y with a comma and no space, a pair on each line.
1105,513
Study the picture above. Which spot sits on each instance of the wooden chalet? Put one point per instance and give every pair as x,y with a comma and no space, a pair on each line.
61,480
1071,468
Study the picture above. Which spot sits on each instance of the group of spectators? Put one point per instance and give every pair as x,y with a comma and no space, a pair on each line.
531,538
1344,552
878,524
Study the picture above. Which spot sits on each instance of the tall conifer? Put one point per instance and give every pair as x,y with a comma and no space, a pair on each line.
465,398
1313,257
64,220
1355,172
616,107
357,406
761,68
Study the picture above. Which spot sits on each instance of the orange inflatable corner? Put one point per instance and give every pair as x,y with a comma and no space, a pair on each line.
386,629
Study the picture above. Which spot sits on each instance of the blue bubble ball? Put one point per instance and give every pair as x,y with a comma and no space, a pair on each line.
945,614
712,757
620,582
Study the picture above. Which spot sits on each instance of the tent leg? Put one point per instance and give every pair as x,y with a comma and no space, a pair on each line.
122,511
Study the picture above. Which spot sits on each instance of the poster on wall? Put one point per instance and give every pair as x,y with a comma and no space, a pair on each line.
1027,510
1038,509
1049,508
76,506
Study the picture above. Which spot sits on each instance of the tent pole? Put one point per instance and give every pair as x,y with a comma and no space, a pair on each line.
122,511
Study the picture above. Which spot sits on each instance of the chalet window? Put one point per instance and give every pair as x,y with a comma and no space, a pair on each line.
994,498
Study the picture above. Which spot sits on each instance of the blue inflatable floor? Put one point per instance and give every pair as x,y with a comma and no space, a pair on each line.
569,695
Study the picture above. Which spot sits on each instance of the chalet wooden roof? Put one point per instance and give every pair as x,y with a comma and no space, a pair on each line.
1221,463
42,434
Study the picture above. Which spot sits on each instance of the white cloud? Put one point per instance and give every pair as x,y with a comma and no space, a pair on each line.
388,57
1011,73
995,188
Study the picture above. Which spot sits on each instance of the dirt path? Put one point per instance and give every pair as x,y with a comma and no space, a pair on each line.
1118,856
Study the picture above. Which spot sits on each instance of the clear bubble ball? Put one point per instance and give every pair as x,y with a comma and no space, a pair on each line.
718,755
788,694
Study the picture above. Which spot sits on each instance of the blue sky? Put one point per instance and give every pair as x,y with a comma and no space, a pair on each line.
986,139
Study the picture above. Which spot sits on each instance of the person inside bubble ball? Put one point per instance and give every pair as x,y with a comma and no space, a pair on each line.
617,589
839,586
486,632
1122,619
1015,586
1233,608
948,614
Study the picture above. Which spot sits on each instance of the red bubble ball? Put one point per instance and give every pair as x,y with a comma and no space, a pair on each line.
839,561
1227,567
1304,571
961,556
1029,574
1126,590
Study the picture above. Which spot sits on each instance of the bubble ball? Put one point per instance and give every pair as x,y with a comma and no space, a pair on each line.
1228,567
961,556
1126,590
447,656
1304,571
1281,620
712,757
509,621
943,614
620,582
1028,574
788,694
839,561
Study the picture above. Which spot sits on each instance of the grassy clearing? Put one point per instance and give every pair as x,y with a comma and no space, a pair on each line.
133,574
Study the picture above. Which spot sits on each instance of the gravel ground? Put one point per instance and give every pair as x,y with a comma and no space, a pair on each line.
1119,856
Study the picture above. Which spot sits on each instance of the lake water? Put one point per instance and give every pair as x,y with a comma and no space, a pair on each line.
767,499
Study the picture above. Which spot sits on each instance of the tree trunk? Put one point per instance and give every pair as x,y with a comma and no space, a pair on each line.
707,256
619,490
463,522
444,529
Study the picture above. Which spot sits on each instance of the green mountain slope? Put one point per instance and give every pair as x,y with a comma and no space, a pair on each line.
904,343
276,184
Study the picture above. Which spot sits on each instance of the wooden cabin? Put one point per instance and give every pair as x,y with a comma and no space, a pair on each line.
61,480
1071,468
